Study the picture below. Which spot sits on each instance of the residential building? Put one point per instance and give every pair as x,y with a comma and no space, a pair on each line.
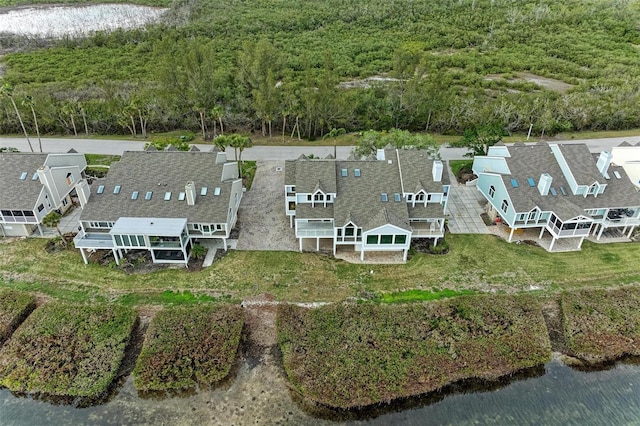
161,201
34,184
561,189
628,157
373,205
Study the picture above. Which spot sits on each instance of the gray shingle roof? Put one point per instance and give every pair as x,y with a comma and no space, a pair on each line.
161,172
359,198
532,160
17,194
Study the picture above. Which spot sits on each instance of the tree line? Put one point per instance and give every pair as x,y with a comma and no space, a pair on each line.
446,67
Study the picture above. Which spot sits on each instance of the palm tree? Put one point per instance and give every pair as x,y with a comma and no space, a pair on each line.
70,109
217,112
53,220
239,143
7,91
28,101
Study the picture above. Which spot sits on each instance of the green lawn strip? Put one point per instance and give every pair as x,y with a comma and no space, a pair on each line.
417,295
14,308
67,349
475,262
602,325
189,347
101,159
354,355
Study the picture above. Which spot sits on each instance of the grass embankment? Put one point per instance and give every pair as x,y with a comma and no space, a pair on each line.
475,262
602,325
349,356
189,347
14,308
67,350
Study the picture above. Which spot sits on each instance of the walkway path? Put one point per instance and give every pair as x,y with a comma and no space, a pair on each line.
464,208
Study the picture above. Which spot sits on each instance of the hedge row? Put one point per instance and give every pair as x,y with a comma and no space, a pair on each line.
67,350
602,325
14,308
350,355
189,347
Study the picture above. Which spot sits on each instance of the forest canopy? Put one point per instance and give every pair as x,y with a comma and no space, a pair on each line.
276,66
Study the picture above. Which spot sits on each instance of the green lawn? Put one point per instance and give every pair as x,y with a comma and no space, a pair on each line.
475,262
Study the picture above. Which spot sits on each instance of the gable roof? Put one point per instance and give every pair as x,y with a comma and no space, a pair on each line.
15,193
161,172
359,195
531,161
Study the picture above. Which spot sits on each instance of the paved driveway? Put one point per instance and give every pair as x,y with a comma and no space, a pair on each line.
263,223
464,208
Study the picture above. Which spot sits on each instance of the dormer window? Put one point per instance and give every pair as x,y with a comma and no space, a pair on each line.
318,196
420,196
70,179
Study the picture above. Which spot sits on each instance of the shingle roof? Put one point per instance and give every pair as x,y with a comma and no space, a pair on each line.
533,160
17,194
311,175
161,172
359,198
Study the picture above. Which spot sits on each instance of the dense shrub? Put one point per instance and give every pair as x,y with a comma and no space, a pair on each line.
189,347
602,325
14,308
67,350
356,355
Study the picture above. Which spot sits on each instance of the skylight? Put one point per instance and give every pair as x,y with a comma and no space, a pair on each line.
564,192
35,176
148,195
514,183
356,172
216,191
181,196
553,191
617,174
167,196
100,189
203,191
134,195
396,197
344,172
531,182
23,176
116,190
383,197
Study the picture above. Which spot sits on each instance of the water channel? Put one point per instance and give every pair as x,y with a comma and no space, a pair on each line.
258,395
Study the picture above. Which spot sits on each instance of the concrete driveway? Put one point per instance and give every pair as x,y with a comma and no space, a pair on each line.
263,223
464,208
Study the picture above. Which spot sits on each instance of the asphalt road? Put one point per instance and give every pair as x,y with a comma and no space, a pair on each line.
104,146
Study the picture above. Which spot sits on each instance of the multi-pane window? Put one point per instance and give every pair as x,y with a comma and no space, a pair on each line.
505,206
492,191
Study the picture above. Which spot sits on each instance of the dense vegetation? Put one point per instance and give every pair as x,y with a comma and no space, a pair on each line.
14,308
602,325
189,347
67,350
274,67
356,355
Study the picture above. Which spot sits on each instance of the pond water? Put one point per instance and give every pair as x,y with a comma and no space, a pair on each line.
75,21
257,395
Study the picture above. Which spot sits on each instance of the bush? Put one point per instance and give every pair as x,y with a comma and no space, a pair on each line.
356,355
187,347
14,308
67,350
602,325
441,248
